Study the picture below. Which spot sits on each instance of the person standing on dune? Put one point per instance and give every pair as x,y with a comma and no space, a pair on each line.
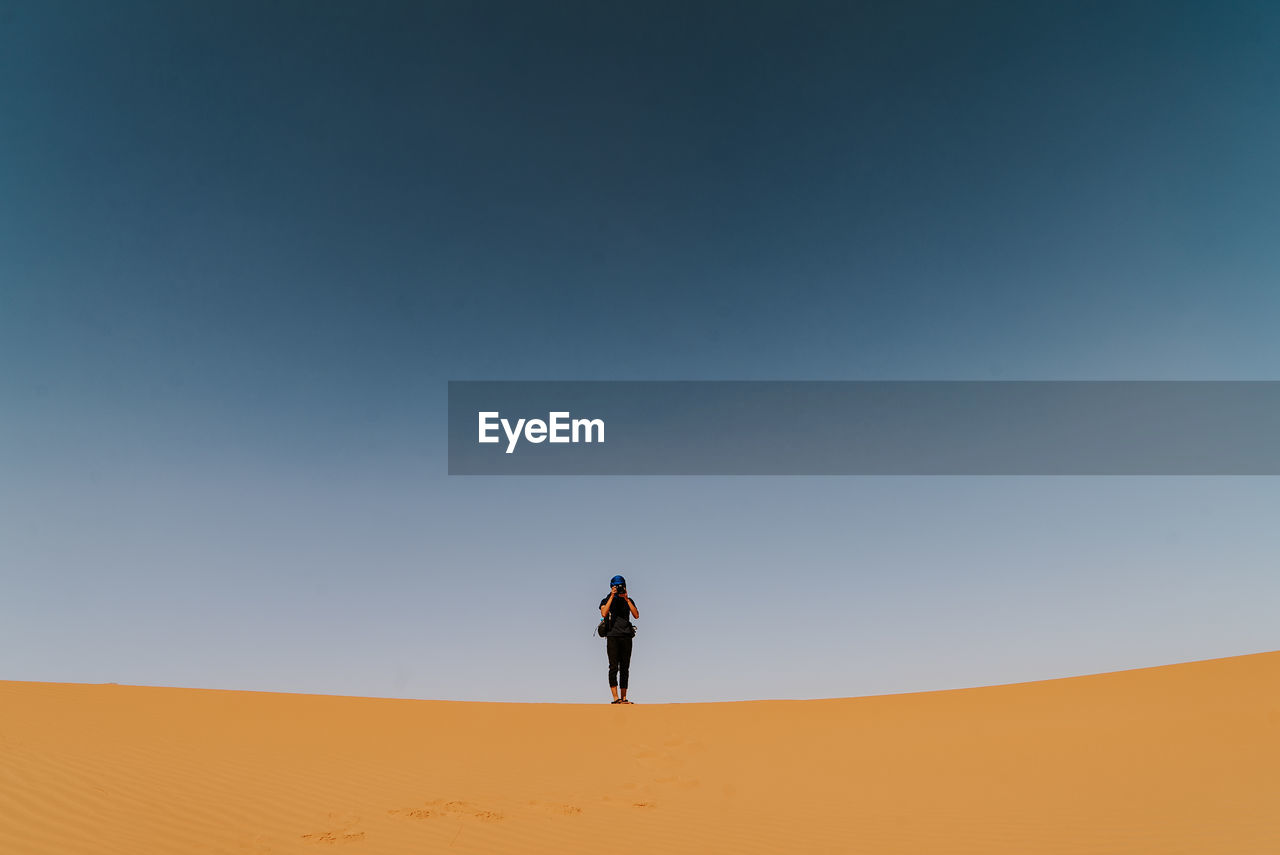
616,610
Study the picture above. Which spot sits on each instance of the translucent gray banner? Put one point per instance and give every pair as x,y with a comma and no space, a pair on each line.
864,428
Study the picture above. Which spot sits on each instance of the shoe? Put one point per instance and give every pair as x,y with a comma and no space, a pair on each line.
617,701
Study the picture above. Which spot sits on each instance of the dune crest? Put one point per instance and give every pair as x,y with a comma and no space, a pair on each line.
1176,759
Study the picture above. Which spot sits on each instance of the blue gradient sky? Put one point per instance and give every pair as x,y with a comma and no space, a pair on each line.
242,250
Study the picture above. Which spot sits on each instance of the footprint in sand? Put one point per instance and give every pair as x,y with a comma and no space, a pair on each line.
340,825
334,837
454,808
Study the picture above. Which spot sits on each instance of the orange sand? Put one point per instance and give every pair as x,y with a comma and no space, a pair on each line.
1178,759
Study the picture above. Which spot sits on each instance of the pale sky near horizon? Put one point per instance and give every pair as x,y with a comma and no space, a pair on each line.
242,251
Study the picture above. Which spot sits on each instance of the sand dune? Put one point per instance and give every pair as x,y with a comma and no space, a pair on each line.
1178,759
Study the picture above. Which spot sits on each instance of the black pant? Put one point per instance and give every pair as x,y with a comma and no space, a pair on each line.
619,660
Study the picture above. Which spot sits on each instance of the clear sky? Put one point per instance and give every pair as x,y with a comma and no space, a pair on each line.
244,246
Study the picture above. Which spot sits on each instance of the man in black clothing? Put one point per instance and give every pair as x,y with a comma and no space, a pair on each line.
618,608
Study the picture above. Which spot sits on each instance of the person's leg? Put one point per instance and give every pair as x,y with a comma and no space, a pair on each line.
624,664
611,645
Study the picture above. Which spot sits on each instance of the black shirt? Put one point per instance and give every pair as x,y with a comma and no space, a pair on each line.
621,616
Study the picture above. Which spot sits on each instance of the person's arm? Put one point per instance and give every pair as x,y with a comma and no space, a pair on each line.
604,609
635,612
